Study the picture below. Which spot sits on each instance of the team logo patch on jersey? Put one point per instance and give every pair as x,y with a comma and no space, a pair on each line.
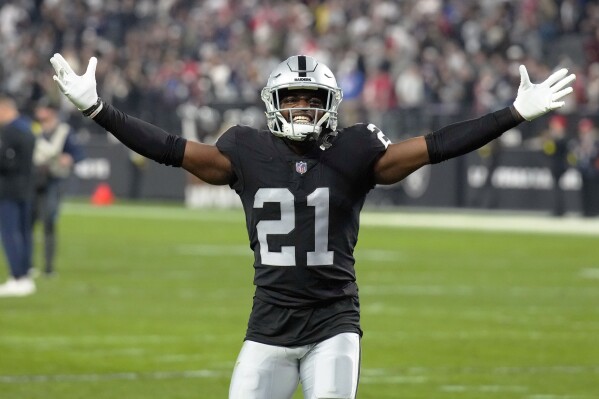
301,167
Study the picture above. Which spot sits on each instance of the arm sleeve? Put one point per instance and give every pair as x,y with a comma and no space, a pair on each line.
463,137
142,137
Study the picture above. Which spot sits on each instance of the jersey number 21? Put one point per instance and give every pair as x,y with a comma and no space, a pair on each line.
319,199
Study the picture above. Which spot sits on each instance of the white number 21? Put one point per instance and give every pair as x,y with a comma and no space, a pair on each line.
319,199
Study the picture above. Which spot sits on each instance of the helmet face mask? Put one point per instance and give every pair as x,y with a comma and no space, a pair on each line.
305,73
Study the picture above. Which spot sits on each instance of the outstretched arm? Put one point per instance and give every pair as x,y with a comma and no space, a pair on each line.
532,101
204,161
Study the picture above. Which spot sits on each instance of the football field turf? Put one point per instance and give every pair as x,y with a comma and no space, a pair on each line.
152,302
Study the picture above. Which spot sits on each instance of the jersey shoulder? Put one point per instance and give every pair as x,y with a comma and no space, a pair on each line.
240,136
238,130
363,137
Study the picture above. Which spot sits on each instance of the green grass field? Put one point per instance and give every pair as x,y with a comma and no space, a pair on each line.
152,302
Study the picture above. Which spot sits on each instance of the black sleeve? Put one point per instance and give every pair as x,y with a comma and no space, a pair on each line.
463,137
142,137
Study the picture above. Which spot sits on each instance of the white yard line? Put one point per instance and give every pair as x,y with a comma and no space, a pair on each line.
131,376
485,222
412,375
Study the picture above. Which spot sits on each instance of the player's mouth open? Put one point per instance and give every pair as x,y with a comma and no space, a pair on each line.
302,119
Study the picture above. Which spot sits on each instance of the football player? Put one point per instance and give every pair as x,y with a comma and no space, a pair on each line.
303,182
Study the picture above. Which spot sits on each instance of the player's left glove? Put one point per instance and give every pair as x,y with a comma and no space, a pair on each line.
534,100
80,90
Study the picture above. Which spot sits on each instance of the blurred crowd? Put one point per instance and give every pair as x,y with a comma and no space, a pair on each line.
389,55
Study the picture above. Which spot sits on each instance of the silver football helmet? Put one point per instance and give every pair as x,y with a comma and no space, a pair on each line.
301,72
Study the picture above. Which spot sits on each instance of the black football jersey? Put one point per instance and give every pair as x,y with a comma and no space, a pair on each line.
302,211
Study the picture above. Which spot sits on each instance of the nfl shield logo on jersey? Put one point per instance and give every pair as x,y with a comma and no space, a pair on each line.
301,167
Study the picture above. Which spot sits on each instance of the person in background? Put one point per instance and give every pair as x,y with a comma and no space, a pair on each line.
586,153
490,155
556,148
56,152
138,165
17,141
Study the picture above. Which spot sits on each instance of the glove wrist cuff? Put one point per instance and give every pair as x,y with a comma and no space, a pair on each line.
94,110
517,116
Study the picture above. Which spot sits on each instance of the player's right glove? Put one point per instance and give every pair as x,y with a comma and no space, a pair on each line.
534,100
80,90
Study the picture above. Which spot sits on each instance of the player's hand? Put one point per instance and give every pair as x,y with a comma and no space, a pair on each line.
534,100
80,90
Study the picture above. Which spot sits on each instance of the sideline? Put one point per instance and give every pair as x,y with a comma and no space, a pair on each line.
448,219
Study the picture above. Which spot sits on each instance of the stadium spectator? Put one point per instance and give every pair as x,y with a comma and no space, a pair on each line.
586,153
409,90
556,146
303,183
137,168
490,155
591,88
379,95
164,54
56,152
16,188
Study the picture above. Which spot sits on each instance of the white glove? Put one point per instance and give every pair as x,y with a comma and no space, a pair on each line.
80,90
534,100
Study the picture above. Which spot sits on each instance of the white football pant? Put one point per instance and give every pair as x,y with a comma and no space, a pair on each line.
327,370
